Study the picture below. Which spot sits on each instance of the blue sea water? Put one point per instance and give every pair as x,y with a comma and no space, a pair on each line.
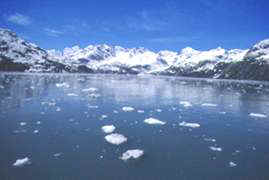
55,120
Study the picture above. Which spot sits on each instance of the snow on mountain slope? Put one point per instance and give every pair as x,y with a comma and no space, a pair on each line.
17,54
259,51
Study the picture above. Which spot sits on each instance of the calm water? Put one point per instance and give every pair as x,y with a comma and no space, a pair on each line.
55,120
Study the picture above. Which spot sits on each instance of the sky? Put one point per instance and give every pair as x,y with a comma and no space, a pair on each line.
153,24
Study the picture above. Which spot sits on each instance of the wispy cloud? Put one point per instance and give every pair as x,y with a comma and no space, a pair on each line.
178,39
145,20
53,32
19,19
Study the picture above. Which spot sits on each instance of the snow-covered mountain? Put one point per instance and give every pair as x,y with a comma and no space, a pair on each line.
19,55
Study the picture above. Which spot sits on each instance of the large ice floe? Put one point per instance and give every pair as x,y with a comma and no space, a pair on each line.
22,162
134,153
258,115
154,121
128,109
191,125
115,138
108,128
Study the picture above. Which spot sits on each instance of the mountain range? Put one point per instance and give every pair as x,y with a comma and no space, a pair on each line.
16,54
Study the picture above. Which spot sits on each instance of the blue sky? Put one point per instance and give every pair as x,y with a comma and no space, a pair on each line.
153,24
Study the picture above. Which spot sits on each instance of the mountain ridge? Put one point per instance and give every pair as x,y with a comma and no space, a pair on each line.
17,54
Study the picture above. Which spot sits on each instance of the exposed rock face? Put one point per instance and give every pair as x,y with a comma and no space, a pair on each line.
17,54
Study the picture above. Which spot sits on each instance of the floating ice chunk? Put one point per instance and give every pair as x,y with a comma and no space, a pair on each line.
153,121
140,111
72,94
213,148
258,115
58,109
103,116
57,155
134,153
93,107
191,125
210,139
23,123
22,162
38,122
209,104
36,131
108,128
128,109
65,85
232,164
185,103
89,90
115,138
158,110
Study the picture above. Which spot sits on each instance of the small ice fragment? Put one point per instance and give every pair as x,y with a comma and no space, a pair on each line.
153,121
128,109
116,112
72,94
65,85
108,128
93,95
93,107
232,164
210,139
23,123
158,110
58,109
191,125
215,148
103,116
36,131
38,122
115,138
258,115
57,155
209,105
134,153
22,162
89,90
140,111
185,103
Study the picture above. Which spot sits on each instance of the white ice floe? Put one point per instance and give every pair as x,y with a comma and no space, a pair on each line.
158,110
22,162
36,131
258,115
213,148
103,116
140,111
191,125
210,139
58,109
38,122
232,164
134,153
185,103
23,123
93,107
89,90
154,121
108,128
57,155
65,85
209,104
72,94
128,109
115,138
